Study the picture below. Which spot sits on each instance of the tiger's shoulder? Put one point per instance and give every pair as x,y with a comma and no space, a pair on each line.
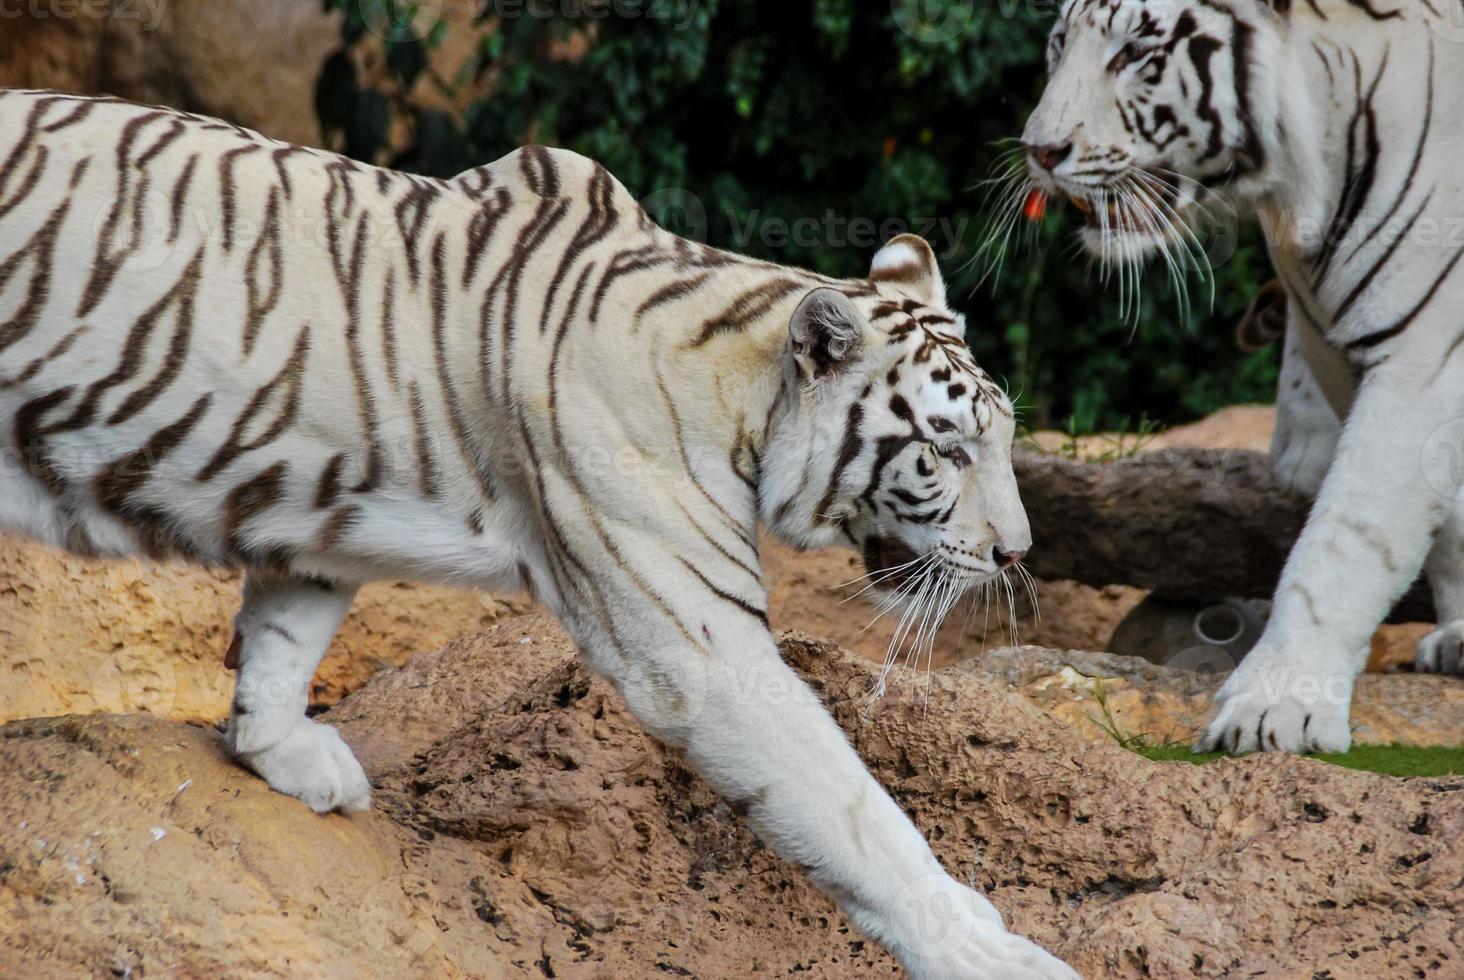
549,174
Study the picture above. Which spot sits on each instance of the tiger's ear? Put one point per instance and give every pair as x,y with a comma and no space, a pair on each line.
827,333
907,262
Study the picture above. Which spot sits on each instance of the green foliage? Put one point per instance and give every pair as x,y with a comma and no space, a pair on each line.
810,130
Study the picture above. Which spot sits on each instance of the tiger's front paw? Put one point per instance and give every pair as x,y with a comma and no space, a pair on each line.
1267,706
1442,651
312,763
953,933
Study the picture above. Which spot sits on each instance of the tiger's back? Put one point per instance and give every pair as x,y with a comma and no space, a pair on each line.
259,330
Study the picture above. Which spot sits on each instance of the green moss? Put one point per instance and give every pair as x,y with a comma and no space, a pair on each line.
1390,760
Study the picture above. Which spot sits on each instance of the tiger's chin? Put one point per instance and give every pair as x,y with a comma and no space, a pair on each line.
895,568
1120,226
1128,245
890,563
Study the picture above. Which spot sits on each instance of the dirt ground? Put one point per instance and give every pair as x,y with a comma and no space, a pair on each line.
582,850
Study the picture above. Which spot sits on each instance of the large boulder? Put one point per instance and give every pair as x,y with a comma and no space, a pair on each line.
524,825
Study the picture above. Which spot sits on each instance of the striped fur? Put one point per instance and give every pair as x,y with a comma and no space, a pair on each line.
221,348
1337,123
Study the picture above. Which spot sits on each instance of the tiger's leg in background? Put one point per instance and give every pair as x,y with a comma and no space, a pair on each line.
282,633
1366,542
1442,651
758,734
1307,429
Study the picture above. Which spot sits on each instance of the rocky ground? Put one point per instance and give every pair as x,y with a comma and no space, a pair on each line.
525,827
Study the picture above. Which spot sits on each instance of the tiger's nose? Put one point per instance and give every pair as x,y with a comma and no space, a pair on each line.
1050,156
1006,559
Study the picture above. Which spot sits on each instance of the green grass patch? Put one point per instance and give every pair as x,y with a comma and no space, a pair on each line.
1390,760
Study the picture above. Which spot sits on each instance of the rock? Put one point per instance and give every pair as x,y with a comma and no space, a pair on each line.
252,62
134,847
1161,630
80,636
1245,427
524,824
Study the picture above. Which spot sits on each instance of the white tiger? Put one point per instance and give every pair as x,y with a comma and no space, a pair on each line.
236,351
1337,121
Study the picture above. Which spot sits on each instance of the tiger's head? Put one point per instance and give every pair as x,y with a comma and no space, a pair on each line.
898,445
1151,106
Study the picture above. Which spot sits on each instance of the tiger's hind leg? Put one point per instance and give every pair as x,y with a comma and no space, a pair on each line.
1442,651
282,633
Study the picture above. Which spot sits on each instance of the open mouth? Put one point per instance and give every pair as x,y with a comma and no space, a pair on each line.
1114,214
1142,207
890,564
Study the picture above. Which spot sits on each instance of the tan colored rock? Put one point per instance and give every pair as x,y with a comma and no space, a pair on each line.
133,847
522,816
251,62
1245,427
79,636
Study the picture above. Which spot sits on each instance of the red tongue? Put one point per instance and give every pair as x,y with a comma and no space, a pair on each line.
1036,208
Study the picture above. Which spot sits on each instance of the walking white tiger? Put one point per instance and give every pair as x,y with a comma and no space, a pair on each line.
228,349
1338,122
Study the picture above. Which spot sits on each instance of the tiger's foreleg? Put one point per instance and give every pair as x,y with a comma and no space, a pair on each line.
763,740
1370,532
282,632
1442,651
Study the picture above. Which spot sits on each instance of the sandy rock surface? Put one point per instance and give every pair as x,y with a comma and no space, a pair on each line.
80,636
525,827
